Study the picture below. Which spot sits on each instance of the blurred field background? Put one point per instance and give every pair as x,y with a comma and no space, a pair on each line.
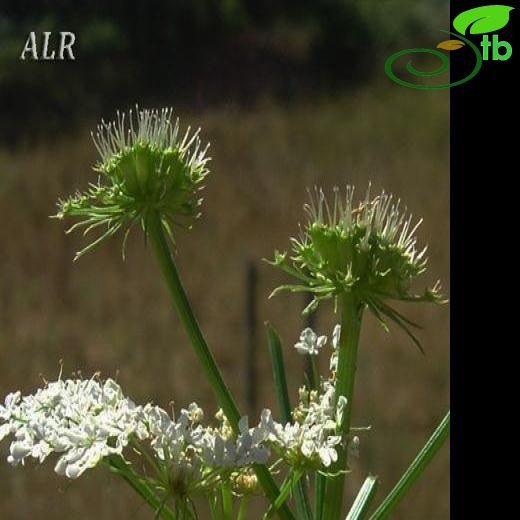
289,97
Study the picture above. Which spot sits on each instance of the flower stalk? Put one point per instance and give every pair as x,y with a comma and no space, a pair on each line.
351,316
225,400
169,270
118,465
362,256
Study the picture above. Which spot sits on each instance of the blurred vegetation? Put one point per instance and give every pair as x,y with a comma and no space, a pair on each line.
198,52
290,94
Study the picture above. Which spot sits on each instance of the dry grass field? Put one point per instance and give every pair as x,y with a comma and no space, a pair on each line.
103,314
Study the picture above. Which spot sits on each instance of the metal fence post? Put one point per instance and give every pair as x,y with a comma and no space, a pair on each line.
251,341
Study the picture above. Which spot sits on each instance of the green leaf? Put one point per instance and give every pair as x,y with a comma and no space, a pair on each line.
414,471
280,385
364,497
485,19
280,381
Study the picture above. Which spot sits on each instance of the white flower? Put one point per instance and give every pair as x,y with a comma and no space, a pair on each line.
195,413
248,447
327,451
312,439
86,421
6,412
333,363
336,335
81,420
342,403
353,446
310,343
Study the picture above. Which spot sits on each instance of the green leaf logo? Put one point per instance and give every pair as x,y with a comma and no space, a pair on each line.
485,19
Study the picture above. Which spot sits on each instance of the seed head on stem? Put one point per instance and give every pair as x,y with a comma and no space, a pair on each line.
146,167
366,249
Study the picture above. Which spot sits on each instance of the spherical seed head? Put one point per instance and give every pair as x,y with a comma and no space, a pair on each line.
146,166
367,250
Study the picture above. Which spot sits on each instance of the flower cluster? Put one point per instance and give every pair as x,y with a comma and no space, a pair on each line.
81,420
147,169
85,422
311,441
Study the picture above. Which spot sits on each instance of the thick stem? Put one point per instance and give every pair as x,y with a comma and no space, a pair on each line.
351,314
415,470
209,366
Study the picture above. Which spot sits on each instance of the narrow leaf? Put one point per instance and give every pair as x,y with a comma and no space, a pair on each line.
414,471
280,385
280,380
364,498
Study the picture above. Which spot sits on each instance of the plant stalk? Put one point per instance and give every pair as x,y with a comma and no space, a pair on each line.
121,467
414,471
319,495
225,400
351,315
244,502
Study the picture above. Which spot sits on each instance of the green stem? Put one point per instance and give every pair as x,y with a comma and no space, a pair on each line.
161,474
243,508
351,315
414,471
288,484
182,305
213,506
315,383
319,495
122,468
227,501
211,371
301,498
